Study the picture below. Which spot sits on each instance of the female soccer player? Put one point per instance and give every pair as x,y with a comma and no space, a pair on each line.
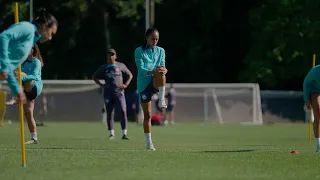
311,92
114,97
150,62
32,85
16,43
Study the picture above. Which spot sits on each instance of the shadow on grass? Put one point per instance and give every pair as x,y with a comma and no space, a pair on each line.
52,148
229,151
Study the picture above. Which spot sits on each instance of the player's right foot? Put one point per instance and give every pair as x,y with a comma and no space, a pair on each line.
151,147
111,137
318,149
11,102
32,141
125,137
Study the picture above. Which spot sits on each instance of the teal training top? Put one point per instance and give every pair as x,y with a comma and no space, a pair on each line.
33,70
15,45
147,60
311,83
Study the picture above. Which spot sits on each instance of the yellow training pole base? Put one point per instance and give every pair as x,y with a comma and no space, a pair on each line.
21,114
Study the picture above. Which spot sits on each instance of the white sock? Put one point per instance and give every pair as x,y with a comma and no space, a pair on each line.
34,136
148,139
111,132
124,132
162,91
318,142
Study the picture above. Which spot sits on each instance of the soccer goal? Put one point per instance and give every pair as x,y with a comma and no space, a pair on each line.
233,103
218,103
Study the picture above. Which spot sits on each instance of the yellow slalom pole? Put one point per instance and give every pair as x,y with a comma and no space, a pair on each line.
311,114
21,114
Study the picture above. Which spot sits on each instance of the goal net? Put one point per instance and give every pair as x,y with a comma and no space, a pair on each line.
218,103
82,100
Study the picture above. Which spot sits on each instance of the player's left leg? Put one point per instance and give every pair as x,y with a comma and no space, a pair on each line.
109,104
28,110
315,101
121,100
31,91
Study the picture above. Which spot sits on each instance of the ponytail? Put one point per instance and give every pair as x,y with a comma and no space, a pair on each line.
44,17
37,54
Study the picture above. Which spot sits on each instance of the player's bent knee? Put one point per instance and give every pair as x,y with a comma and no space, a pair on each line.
28,86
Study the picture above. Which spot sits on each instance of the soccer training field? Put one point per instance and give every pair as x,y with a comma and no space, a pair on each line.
82,151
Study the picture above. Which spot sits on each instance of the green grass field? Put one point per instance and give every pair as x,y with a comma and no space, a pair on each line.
81,151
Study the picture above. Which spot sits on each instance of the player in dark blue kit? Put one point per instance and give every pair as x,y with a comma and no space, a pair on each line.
114,98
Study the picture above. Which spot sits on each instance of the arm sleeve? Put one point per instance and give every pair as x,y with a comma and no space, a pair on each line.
125,69
5,38
306,87
13,83
163,58
98,73
23,31
34,75
139,63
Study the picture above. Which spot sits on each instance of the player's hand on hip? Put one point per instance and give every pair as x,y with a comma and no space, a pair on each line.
308,105
21,97
123,86
3,76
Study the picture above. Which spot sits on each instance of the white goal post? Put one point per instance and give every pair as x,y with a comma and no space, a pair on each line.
238,94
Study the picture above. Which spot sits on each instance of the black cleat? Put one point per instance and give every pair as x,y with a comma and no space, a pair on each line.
124,137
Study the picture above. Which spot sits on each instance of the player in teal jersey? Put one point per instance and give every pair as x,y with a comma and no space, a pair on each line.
311,95
32,85
150,62
16,43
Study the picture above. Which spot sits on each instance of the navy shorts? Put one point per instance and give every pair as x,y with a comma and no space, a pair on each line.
147,93
170,108
33,94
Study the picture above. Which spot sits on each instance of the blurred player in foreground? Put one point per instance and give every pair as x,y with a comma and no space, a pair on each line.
150,62
16,43
311,94
114,96
32,85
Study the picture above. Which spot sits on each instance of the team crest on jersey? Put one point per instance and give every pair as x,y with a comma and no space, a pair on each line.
144,97
117,69
156,57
